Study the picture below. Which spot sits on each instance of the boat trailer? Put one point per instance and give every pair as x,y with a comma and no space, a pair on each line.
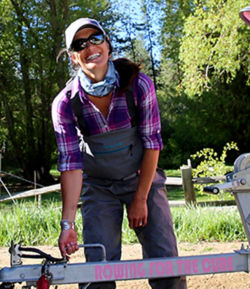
57,271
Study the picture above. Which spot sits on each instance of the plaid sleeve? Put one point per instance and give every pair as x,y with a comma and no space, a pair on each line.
69,154
149,116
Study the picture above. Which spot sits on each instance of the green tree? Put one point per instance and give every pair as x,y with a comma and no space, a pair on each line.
203,84
173,17
31,37
127,25
137,28
171,99
215,45
149,10
215,57
141,55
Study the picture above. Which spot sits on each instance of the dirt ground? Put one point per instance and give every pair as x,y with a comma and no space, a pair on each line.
218,281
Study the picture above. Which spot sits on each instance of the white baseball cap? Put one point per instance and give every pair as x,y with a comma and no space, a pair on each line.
80,23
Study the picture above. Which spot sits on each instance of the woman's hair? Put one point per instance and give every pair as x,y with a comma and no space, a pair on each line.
127,70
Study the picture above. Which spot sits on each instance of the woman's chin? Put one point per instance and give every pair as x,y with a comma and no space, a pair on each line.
96,65
91,65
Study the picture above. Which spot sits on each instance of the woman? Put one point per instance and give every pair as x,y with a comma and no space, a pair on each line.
112,108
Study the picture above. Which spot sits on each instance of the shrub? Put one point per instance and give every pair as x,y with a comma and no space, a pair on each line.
211,164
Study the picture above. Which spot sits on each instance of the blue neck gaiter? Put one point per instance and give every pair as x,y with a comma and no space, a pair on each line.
103,87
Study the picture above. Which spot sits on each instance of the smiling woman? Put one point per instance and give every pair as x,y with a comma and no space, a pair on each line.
112,107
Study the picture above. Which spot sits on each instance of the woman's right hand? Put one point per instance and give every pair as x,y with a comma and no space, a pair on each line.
68,242
71,185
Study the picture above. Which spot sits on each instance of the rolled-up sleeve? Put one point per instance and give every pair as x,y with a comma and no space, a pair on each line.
149,116
69,154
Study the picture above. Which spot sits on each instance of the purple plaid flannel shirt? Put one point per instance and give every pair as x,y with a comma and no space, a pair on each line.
67,132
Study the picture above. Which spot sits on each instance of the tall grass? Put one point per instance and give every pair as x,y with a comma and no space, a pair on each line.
30,225
208,224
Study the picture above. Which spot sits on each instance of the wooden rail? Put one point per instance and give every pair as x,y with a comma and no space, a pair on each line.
45,190
173,181
186,181
32,193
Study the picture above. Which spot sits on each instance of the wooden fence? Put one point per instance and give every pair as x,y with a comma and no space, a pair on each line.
186,181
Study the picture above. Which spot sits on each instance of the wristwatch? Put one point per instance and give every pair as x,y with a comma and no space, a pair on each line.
66,225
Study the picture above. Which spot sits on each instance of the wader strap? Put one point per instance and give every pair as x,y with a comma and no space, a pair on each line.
132,109
77,109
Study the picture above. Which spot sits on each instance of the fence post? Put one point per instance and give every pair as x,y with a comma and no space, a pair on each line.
187,184
38,198
0,169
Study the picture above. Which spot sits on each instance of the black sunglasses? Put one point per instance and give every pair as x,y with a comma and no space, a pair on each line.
81,43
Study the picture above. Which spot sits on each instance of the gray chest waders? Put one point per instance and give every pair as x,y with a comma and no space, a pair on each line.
111,161
114,155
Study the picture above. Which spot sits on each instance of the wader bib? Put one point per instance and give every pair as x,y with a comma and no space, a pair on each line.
113,155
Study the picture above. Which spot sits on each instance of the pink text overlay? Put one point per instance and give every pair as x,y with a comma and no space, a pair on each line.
154,269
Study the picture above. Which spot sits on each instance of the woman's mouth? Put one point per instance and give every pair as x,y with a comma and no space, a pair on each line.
93,56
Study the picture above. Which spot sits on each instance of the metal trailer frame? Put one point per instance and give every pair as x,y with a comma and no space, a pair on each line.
62,272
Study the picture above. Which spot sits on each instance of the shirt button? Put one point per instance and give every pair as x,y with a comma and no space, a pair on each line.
158,131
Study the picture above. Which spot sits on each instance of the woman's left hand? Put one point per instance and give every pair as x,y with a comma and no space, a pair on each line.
138,213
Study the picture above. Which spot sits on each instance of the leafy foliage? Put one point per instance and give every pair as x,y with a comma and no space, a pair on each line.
214,47
211,164
31,37
204,102
202,75
127,25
